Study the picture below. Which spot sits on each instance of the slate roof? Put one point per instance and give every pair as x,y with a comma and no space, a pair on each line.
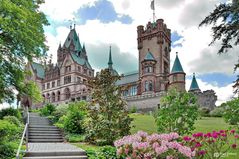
81,61
40,72
177,67
194,84
129,78
149,56
72,37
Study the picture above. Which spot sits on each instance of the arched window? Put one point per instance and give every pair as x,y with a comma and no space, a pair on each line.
150,86
58,96
146,86
48,97
67,93
53,97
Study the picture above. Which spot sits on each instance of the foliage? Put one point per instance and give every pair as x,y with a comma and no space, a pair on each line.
133,109
108,118
20,23
9,133
225,20
142,145
59,112
204,112
75,137
13,120
7,150
217,112
231,112
32,91
177,113
212,145
107,152
47,110
10,112
73,121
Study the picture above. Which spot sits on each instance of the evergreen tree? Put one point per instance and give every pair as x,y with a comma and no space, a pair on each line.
108,117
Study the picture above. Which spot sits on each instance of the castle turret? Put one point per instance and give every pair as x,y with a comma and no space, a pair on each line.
154,44
194,85
110,64
177,76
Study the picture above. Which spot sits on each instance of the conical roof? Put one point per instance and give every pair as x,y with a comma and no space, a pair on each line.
194,84
73,38
177,67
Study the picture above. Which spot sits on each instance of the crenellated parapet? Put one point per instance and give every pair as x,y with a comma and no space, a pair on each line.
156,29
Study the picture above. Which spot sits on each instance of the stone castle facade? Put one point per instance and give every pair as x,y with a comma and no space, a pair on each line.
65,81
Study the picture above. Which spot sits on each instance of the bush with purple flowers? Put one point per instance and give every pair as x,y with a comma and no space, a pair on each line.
212,145
142,145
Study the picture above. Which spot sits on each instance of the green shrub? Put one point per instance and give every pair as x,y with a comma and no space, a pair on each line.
107,152
177,113
231,113
133,109
47,110
10,112
8,131
217,112
73,121
8,150
59,112
75,138
204,112
13,120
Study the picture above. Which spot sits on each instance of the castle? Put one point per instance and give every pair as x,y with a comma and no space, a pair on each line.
65,81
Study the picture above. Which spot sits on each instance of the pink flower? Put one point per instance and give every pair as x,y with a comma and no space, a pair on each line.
215,135
186,138
236,136
233,131
161,149
234,146
202,152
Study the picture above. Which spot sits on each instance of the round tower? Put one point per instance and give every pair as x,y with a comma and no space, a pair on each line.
177,76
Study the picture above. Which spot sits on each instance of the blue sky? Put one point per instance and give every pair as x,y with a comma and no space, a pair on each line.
101,23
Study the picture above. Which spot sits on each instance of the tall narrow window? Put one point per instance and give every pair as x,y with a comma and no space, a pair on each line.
146,86
150,86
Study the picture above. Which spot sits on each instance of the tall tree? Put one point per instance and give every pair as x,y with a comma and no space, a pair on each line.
225,21
21,39
108,117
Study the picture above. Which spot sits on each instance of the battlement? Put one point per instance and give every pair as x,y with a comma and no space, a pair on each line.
154,28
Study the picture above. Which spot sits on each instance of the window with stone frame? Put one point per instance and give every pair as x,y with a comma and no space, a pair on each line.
150,86
53,84
146,86
48,85
67,93
148,69
174,78
78,80
68,69
43,86
85,70
67,79
166,67
79,68
58,82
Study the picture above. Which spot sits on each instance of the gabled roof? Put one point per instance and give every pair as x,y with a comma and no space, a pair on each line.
40,72
128,78
149,56
73,38
81,61
194,84
177,67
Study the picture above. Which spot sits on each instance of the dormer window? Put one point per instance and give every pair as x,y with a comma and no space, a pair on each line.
67,69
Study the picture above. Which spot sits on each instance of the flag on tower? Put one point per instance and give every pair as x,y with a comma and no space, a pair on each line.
152,5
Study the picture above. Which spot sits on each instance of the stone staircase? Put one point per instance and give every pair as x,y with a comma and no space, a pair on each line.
46,142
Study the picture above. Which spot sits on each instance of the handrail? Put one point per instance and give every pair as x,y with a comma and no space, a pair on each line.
24,135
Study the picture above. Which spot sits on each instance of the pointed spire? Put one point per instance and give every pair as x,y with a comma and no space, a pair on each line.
194,85
59,47
83,49
110,63
177,67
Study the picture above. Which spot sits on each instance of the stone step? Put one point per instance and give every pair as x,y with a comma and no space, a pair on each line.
57,157
34,134
45,140
54,153
44,132
45,137
42,129
41,126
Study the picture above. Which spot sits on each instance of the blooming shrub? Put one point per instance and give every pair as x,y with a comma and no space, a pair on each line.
142,145
212,145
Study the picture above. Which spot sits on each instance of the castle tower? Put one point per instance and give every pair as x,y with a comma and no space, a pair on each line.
177,76
194,85
154,44
110,64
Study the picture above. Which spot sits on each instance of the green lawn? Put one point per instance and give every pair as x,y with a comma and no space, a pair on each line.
205,124
147,124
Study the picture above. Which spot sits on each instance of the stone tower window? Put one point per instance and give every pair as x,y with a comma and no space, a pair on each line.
146,86
67,93
150,86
